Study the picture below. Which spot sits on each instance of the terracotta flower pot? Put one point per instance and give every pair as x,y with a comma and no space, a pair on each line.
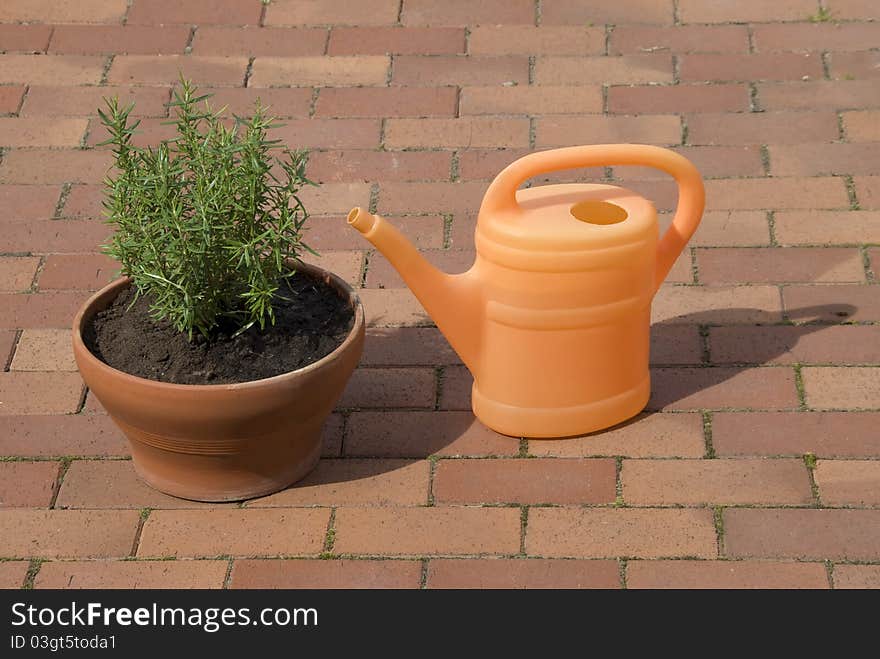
223,442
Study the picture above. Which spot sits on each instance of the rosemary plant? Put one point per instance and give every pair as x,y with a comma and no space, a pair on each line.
206,222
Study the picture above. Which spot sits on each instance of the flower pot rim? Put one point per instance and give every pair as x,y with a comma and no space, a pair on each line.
316,271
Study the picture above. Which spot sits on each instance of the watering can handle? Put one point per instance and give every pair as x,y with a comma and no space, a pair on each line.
501,195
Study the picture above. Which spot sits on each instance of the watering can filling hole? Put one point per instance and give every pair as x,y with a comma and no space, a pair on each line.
598,212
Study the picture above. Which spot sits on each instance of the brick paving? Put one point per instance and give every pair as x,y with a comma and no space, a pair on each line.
758,461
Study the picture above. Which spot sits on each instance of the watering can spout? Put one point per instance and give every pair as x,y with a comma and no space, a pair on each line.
452,301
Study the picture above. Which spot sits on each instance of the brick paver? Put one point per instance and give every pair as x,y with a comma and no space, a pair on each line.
765,338
857,576
316,573
13,573
41,533
608,532
111,484
132,574
695,482
525,481
527,573
27,484
235,532
849,482
725,574
811,534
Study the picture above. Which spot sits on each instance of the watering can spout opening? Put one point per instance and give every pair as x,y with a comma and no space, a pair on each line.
361,220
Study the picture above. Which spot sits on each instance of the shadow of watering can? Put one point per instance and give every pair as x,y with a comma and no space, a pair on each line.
553,319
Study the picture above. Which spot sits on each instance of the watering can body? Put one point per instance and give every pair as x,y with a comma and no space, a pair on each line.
553,319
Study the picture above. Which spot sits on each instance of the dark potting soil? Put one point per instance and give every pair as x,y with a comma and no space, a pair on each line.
310,323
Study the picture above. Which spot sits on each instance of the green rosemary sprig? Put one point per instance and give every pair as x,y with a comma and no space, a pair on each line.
207,221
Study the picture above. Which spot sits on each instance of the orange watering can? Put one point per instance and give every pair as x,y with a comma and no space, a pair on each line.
553,319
